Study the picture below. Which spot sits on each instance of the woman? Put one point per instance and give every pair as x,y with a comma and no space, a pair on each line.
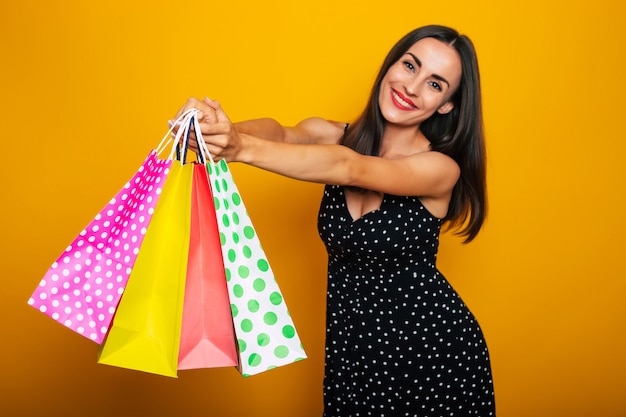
399,339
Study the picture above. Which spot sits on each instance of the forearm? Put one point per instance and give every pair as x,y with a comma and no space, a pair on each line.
266,128
308,131
327,164
307,151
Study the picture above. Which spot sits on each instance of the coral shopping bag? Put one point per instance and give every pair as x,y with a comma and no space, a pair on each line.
82,288
145,333
265,332
207,336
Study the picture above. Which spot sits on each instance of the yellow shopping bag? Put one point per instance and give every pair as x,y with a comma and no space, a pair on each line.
145,333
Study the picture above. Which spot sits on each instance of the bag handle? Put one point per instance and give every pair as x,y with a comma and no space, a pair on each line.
185,121
202,148
196,128
185,147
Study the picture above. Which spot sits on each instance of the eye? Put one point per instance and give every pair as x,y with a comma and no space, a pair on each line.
409,65
435,85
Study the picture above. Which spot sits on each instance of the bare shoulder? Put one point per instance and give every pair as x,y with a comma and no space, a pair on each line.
438,160
435,169
318,130
439,173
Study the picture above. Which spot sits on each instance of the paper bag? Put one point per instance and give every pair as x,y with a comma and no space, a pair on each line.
265,332
207,335
82,288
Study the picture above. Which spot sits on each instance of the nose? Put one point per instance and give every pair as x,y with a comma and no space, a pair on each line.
414,85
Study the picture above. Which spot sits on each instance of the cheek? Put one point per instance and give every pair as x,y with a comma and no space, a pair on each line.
436,100
394,75
384,87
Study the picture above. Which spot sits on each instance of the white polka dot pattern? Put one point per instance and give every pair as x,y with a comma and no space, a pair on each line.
400,341
265,332
82,289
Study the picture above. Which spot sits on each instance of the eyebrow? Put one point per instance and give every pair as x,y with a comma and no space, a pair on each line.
436,76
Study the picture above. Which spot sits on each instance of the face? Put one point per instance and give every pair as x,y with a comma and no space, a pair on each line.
420,83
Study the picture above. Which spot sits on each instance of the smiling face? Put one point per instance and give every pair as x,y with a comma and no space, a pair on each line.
420,83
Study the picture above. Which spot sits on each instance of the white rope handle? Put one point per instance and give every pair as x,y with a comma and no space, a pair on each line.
202,148
183,132
184,123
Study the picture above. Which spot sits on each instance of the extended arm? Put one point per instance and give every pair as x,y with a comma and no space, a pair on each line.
308,131
429,174
425,174
311,130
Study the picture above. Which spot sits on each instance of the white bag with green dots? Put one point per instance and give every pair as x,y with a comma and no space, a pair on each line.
265,333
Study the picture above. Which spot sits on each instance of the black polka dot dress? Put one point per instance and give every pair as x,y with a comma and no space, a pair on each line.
399,339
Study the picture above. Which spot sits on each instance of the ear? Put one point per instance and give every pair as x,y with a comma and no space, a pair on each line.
446,107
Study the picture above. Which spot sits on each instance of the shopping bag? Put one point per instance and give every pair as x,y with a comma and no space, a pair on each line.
145,333
265,332
207,337
82,288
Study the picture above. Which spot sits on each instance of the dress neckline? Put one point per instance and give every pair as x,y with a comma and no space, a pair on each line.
382,201
345,205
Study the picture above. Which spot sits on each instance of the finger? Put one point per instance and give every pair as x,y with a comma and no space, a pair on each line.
209,115
219,112
205,114
191,102
210,131
194,103
216,152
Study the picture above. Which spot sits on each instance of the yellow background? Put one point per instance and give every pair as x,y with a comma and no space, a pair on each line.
87,88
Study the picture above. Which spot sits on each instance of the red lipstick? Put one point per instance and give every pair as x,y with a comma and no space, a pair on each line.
402,102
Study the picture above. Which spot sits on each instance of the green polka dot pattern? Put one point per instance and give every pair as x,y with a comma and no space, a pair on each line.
266,334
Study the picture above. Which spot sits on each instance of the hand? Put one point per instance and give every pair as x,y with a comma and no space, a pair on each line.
206,114
222,139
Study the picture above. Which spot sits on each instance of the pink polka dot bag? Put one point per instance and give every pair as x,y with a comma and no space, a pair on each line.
83,287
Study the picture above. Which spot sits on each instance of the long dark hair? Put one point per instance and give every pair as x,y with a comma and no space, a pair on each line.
458,134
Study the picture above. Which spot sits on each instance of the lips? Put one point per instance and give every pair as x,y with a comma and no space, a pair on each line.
401,101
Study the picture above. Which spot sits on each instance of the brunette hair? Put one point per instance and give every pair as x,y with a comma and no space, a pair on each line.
458,134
